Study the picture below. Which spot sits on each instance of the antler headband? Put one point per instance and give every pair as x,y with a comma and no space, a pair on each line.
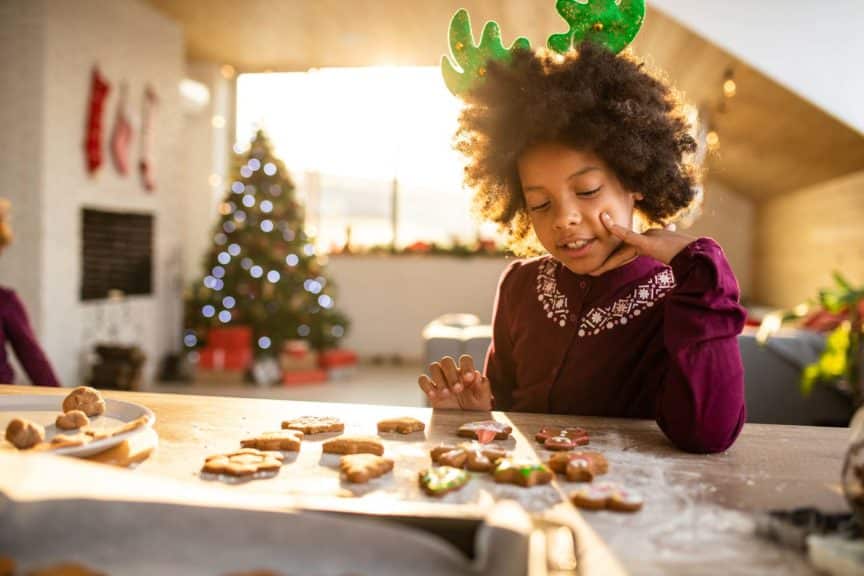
606,22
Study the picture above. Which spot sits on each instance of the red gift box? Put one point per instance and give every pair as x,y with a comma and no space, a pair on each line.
304,377
232,360
298,349
337,358
230,338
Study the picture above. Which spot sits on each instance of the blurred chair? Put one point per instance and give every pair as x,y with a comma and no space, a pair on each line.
772,375
454,335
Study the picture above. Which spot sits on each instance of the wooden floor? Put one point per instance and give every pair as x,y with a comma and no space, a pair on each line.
370,384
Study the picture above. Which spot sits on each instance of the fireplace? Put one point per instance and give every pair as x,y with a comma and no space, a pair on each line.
117,254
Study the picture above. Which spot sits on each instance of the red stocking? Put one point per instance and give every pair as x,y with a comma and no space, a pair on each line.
99,89
121,137
145,164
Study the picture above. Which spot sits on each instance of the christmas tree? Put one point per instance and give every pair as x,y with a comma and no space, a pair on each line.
262,270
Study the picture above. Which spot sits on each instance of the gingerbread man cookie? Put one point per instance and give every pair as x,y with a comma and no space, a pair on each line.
405,425
521,472
314,424
556,438
244,462
24,434
285,440
469,455
354,445
485,431
440,480
603,495
85,399
72,420
360,468
579,466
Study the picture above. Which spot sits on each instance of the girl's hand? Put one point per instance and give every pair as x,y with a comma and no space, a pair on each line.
457,388
662,245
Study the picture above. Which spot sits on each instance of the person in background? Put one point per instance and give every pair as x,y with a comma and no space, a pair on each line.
16,329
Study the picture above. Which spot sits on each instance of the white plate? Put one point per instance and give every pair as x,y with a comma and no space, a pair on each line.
45,409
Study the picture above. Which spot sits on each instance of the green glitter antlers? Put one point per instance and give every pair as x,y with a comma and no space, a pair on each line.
472,59
606,22
610,23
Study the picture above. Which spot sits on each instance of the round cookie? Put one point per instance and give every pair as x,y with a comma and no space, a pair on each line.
85,399
24,434
72,420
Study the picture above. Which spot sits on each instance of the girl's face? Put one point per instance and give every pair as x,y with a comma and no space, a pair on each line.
566,190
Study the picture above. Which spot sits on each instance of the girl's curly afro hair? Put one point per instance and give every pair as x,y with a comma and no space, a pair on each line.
590,99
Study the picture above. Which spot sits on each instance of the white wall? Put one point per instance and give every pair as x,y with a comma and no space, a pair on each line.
129,41
814,48
390,299
205,153
21,85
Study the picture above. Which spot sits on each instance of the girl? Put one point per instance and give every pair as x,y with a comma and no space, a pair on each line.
15,328
564,151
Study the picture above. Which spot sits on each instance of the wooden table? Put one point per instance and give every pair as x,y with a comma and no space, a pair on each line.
697,511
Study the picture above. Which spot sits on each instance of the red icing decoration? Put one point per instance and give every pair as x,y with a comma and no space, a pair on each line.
485,435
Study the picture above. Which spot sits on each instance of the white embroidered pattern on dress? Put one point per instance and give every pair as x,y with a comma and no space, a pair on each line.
625,309
554,302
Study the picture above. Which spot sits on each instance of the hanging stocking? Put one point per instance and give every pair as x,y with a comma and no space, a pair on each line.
121,136
145,164
99,89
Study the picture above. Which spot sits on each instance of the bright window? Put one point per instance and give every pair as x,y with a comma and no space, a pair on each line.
350,136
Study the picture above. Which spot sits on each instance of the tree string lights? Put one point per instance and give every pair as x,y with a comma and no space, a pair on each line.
262,269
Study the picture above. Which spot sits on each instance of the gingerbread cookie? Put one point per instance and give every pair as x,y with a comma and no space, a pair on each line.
72,420
68,440
314,424
522,472
603,495
284,440
557,438
485,431
401,425
467,455
244,462
579,466
354,445
102,433
85,399
24,434
440,480
360,468
65,569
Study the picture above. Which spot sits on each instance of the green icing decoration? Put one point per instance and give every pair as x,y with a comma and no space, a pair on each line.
524,468
473,59
603,22
444,478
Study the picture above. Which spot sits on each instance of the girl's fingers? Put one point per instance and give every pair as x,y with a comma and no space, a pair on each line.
627,235
427,386
482,388
466,369
451,374
438,378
